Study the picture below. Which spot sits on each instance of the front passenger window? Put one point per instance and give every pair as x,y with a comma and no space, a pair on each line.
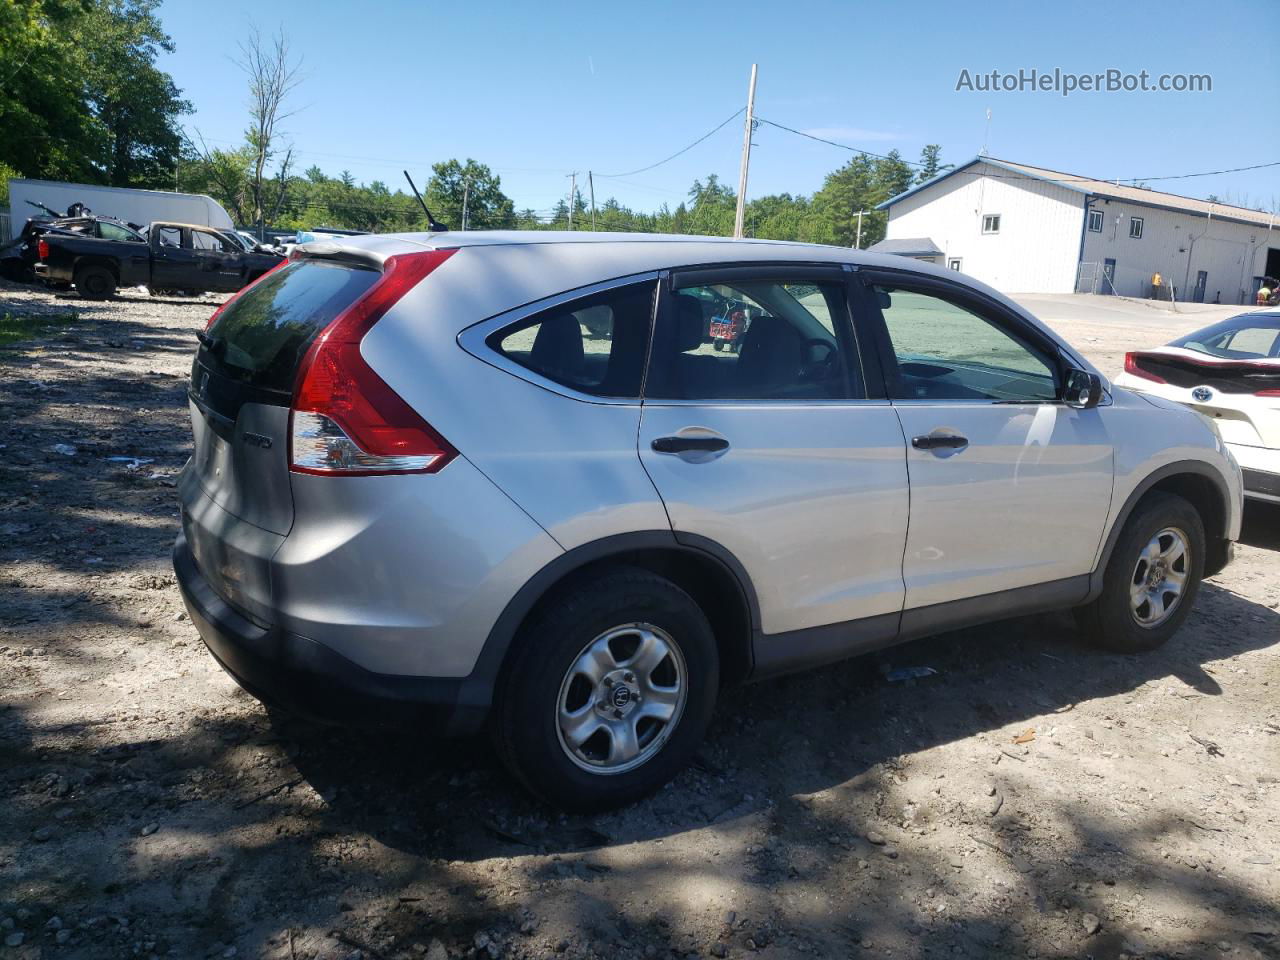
209,242
947,352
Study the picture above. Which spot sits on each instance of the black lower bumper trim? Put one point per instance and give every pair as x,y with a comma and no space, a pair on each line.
307,678
1257,481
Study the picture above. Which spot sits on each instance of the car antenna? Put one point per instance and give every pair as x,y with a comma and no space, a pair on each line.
432,224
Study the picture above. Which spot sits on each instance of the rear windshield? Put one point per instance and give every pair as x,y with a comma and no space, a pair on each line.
261,337
1253,336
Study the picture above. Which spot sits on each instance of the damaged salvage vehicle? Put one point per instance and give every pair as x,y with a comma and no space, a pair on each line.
176,256
18,259
449,482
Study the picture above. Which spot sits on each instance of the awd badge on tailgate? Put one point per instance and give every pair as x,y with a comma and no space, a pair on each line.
258,440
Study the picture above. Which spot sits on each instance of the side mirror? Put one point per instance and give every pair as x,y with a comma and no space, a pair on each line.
1083,390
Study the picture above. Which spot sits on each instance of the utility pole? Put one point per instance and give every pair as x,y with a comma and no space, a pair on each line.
591,187
746,156
857,244
573,190
466,192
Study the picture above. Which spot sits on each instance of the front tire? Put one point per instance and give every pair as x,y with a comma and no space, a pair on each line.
1152,578
608,691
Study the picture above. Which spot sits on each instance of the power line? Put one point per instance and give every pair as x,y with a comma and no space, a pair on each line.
1213,173
1066,178
714,130
842,146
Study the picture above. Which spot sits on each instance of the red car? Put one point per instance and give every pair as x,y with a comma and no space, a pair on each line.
728,329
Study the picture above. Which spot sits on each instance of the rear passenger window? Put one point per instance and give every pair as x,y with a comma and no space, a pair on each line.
595,345
767,339
111,231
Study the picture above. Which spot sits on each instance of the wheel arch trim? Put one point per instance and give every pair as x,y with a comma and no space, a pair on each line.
1178,468
478,687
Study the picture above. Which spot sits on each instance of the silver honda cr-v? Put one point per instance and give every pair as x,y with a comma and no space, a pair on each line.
566,486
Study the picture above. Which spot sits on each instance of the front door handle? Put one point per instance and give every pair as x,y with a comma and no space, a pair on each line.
941,441
689,444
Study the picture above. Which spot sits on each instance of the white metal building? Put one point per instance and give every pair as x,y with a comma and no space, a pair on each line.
1024,229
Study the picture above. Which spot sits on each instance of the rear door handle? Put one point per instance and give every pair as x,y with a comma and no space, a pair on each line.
944,441
689,444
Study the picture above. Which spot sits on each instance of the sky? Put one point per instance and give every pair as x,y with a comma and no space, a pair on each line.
537,90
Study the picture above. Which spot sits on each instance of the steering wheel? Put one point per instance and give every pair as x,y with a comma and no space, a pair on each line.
821,368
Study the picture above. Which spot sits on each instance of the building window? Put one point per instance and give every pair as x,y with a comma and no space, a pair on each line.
954,264
1135,228
991,223
1095,221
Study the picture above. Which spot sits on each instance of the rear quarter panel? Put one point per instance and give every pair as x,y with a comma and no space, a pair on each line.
131,261
404,574
571,465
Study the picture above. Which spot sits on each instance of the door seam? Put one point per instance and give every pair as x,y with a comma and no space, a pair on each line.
656,492
906,537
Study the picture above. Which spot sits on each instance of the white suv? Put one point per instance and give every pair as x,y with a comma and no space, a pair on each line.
508,479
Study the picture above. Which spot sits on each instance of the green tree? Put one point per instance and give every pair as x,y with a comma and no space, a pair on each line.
223,174
892,175
931,163
48,129
711,210
487,206
843,194
80,95
136,105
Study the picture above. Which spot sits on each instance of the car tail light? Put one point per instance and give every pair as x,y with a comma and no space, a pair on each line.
1132,365
240,293
346,421
42,249
1269,392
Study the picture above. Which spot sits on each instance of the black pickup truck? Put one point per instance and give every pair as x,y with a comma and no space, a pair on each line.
174,256
18,259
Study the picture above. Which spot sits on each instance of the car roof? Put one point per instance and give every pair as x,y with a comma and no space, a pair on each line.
682,248
191,226
540,263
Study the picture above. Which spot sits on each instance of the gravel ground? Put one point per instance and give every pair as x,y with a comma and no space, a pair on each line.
1034,798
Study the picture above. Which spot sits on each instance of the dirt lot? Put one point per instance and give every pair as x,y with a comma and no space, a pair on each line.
152,809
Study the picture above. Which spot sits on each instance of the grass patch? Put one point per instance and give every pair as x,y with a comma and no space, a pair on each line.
16,327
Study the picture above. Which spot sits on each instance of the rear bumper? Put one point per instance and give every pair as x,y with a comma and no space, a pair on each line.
304,677
1261,469
1260,485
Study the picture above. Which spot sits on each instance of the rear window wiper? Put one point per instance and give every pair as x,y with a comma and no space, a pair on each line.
215,345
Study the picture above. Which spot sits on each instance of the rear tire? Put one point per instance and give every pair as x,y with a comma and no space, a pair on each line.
607,692
1151,580
95,282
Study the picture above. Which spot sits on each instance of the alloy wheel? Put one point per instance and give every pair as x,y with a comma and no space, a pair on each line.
622,698
1160,577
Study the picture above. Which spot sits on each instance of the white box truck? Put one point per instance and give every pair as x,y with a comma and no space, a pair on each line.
123,203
